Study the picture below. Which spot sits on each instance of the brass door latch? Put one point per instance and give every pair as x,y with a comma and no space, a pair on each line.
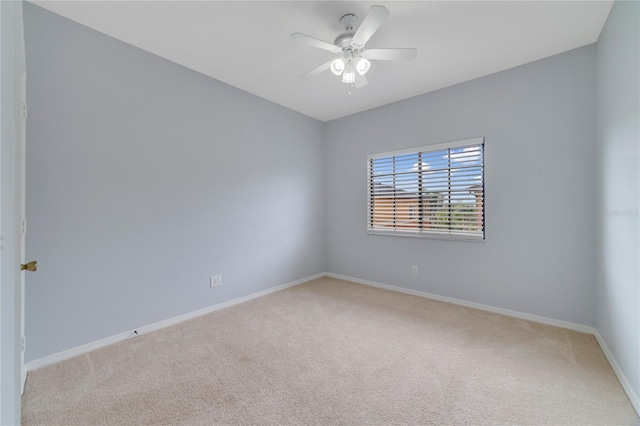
31,266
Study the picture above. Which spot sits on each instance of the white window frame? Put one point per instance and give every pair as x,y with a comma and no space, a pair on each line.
442,234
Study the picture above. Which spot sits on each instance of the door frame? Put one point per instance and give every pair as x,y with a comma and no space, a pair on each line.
21,208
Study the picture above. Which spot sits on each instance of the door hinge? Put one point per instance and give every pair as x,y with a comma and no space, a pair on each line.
24,111
23,227
23,343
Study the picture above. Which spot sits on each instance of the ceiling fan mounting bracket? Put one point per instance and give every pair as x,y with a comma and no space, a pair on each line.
349,22
343,41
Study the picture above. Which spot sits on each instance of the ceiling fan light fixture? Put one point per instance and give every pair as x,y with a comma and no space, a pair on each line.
362,66
349,76
337,66
352,60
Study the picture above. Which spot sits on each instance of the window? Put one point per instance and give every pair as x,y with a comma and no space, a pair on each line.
430,191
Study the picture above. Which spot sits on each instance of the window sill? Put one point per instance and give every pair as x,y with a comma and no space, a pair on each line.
431,236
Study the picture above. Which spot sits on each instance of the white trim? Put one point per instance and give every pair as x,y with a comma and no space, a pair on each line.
431,235
530,317
427,148
633,398
80,350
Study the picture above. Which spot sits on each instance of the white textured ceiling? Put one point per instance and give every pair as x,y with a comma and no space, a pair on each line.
246,43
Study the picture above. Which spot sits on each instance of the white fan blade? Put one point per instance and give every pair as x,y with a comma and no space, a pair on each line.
317,71
390,54
311,41
361,80
370,24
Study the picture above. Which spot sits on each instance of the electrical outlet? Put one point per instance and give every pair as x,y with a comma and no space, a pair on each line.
215,281
414,270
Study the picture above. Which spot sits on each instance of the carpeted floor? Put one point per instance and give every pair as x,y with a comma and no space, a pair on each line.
333,352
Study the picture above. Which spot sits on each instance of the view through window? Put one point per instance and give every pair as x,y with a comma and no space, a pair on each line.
433,191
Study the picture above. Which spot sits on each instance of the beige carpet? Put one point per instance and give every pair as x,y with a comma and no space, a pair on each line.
333,352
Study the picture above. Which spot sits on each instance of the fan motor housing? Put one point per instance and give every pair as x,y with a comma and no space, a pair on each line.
344,41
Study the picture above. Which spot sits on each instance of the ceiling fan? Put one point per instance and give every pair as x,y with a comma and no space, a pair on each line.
353,58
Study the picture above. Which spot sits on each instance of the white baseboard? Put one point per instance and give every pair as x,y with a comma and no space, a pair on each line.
635,401
23,372
535,318
80,350
530,317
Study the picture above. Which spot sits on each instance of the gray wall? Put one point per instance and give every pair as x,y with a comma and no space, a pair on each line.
539,251
618,288
144,178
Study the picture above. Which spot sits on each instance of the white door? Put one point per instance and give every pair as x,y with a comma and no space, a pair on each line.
12,144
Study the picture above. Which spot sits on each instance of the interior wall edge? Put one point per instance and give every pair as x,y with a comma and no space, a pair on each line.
628,389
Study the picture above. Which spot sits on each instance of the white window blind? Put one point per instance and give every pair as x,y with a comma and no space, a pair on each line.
429,191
